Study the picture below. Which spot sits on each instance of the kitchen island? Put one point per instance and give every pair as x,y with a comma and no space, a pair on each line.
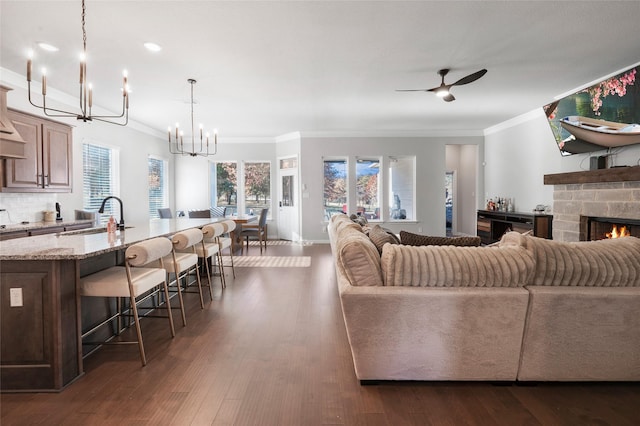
42,319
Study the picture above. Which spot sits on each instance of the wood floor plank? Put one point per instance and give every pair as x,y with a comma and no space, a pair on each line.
272,349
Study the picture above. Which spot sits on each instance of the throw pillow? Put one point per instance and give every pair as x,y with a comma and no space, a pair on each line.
410,239
379,237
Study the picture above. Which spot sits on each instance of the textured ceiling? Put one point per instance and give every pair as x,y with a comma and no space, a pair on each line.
265,69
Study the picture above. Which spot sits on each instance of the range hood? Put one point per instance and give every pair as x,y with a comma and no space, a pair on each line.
11,143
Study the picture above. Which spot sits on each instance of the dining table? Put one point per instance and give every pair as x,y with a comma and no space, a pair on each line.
240,220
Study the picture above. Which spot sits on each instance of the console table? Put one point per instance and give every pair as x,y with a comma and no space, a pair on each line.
493,224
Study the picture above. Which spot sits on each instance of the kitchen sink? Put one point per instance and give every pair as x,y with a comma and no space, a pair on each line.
89,231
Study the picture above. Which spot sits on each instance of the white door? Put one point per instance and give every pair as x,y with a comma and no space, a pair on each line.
288,200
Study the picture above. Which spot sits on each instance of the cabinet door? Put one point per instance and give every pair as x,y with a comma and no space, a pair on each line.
26,172
47,166
56,156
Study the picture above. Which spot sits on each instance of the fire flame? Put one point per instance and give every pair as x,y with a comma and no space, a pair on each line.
615,233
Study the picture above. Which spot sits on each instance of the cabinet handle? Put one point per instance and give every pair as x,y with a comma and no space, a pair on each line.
38,177
43,180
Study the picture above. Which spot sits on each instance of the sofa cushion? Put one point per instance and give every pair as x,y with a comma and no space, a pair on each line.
450,266
603,263
411,239
357,257
380,237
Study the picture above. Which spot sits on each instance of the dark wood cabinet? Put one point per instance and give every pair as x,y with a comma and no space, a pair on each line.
48,151
492,225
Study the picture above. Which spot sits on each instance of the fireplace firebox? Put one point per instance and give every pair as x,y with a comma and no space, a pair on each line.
597,228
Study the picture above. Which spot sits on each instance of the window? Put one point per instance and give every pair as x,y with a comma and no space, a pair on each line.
396,181
335,187
99,178
257,186
224,188
401,188
367,188
158,186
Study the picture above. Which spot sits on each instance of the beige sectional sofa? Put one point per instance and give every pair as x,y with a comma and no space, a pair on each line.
525,309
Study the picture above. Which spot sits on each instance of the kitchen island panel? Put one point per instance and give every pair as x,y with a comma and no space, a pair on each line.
39,349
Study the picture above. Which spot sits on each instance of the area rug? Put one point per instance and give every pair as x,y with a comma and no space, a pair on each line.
268,261
282,243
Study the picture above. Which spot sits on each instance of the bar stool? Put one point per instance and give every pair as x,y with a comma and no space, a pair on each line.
227,242
183,258
132,281
208,249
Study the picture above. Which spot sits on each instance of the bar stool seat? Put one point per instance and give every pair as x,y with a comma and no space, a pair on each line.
132,280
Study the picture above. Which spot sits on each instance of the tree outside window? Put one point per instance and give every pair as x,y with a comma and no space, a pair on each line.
257,186
335,187
226,186
367,188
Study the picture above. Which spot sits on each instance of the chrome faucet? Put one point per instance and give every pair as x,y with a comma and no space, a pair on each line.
101,210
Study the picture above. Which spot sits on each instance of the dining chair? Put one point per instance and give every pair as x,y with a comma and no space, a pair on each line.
165,213
218,211
199,214
258,231
225,240
181,261
132,280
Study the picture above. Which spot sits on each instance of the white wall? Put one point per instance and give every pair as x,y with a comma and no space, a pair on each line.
520,152
430,171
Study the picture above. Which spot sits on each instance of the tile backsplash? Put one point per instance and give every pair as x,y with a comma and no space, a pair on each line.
25,207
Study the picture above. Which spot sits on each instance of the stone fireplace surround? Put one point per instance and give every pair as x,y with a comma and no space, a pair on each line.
608,193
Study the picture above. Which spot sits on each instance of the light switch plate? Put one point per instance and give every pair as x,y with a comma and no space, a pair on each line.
15,295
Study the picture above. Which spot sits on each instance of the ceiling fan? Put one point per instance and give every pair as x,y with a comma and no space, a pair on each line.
444,90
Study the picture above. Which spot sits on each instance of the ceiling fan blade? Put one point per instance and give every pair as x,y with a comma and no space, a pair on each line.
412,90
449,98
470,78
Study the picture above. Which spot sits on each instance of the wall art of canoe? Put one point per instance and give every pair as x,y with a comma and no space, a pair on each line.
600,132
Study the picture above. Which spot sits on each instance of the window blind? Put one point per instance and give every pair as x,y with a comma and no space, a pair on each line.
97,178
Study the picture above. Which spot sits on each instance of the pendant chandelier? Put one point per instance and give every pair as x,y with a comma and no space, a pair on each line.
177,145
86,91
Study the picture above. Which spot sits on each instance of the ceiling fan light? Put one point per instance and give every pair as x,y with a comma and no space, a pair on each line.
441,93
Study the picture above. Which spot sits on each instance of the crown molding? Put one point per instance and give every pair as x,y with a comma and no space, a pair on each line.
515,121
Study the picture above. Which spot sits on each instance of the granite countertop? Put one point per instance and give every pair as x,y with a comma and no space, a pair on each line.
85,243
38,225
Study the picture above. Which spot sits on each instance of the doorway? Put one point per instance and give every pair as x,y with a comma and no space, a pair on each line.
449,197
288,200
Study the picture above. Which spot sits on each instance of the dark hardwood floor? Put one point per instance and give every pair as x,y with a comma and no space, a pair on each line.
271,349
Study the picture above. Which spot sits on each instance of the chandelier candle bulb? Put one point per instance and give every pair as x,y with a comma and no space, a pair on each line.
29,65
82,68
90,95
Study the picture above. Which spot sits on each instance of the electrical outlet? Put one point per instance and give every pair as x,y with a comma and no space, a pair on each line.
15,296
420,229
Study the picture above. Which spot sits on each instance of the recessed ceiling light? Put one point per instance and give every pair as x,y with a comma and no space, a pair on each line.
48,47
152,47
